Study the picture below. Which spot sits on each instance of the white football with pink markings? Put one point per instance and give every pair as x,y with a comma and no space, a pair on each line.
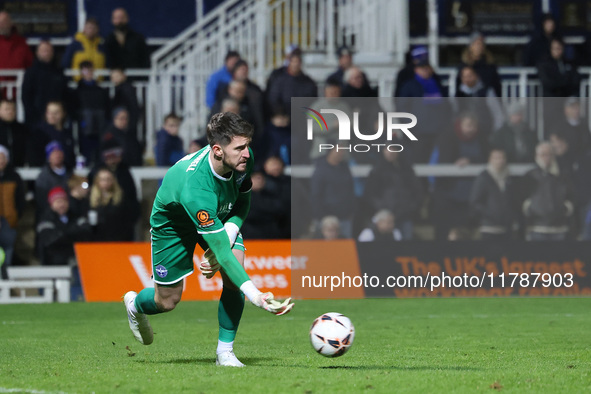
332,334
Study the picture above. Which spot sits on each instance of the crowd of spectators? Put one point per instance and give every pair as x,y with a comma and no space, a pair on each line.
65,128
552,201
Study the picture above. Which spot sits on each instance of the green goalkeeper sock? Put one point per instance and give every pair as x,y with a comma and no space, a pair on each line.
229,313
144,302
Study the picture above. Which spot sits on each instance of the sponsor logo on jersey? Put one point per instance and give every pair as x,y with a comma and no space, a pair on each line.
204,219
161,271
225,209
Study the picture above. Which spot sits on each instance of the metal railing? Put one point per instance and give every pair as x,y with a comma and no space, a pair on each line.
260,30
178,90
12,80
321,26
141,174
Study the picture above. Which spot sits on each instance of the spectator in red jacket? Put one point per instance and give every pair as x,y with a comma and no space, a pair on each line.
14,51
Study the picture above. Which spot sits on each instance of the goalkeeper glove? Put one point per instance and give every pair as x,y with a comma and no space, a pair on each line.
267,302
210,266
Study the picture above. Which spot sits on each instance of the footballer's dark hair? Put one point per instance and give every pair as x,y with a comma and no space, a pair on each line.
224,126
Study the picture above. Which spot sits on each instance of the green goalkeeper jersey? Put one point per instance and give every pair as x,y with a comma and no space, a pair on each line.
190,208
193,199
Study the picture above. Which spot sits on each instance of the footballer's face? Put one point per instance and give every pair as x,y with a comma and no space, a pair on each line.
236,154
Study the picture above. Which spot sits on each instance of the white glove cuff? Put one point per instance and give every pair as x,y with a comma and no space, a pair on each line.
232,230
249,290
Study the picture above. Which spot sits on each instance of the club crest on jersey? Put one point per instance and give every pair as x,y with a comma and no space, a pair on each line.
161,271
204,219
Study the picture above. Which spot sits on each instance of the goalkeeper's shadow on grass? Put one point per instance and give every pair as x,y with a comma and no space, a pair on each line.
400,368
254,361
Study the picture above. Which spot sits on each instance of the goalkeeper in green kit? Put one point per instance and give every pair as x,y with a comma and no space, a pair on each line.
204,199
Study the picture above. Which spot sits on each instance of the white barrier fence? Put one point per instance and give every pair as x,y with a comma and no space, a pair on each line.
45,284
141,174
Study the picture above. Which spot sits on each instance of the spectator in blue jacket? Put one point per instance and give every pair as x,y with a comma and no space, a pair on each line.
223,75
423,95
169,146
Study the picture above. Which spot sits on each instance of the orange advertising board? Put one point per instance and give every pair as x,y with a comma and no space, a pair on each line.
109,270
315,265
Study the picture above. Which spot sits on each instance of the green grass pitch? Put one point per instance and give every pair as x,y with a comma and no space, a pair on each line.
401,345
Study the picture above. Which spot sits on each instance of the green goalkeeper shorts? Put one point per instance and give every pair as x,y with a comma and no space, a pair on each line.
172,257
